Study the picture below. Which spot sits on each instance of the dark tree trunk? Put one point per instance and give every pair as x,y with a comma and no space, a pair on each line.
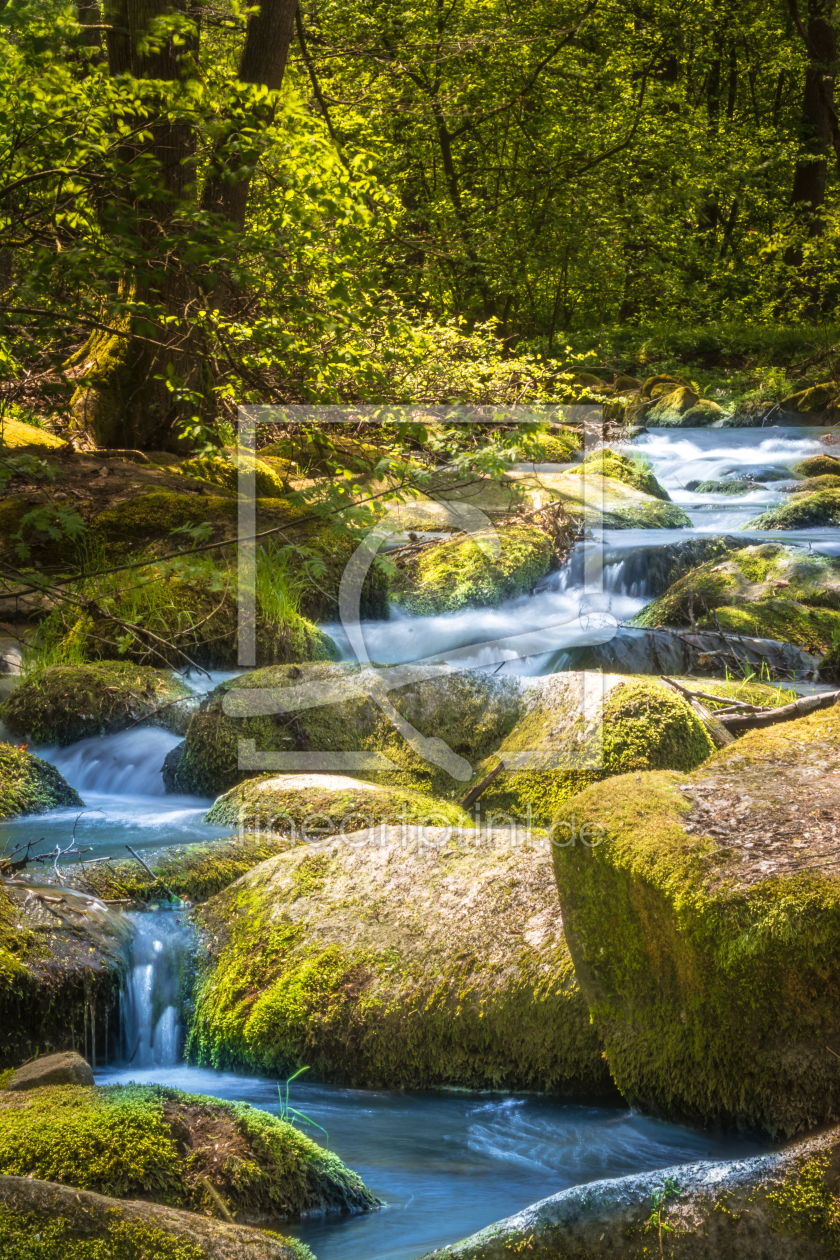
819,129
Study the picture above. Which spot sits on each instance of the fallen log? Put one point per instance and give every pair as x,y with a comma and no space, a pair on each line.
787,713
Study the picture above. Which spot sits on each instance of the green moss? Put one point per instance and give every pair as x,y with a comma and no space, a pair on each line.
34,1237
15,434
822,508
818,466
194,872
63,704
721,487
461,573
406,961
29,785
713,978
638,725
783,619
132,1140
827,482
223,470
325,805
471,712
633,472
807,1204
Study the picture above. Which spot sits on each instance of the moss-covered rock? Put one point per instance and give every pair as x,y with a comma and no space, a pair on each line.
805,511
765,591
734,488
192,872
65,703
308,806
714,979
810,484
399,957
41,1220
779,1205
464,573
327,709
132,1140
14,434
633,472
816,404
682,408
270,476
597,501
579,728
29,785
818,466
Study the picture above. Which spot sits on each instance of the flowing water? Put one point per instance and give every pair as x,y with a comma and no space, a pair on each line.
444,1163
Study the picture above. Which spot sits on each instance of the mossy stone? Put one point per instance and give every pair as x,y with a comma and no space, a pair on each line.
785,620
818,466
308,806
580,728
826,481
400,957
804,512
14,434
65,703
619,467
714,977
29,785
465,574
224,470
597,501
131,1140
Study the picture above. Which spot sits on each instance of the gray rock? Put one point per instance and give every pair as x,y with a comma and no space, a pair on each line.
53,1069
741,1210
636,651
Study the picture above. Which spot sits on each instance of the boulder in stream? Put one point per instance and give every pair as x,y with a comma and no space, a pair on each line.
29,785
55,1222
64,703
68,1068
804,511
316,718
682,652
714,979
172,1147
398,957
581,727
769,1207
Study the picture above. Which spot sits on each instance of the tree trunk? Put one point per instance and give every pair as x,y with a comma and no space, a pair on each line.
819,129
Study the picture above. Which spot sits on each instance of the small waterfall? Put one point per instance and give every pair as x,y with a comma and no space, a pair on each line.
156,988
127,764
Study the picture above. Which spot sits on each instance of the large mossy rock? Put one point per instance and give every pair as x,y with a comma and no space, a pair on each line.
714,979
326,709
29,785
681,408
65,703
478,571
579,728
817,404
765,591
769,1207
399,957
818,466
676,652
130,1140
805,511
16,434
270,476
41,1220
308,806
633,472
597,500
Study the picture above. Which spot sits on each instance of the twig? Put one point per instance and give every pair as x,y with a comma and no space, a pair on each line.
148,868
474,793
216,1197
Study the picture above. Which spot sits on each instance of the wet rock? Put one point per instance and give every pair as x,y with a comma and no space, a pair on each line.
316,717
32,1211
309,806
806,511
66,703
679,652
715,983
770,1207
579,728
654,568
29,785
399,957
722,487
757,472
52,1069
818,466
633,472
827,481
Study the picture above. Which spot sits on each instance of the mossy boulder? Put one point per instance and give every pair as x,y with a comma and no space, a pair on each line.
308,806
818,466
398,957
816,404
224,470
310,454
734,488
579,728
636,473
766,591
15,434
465,573
596,500
805,511
29,785
769,1206
828,481
682,408
326,709
41,1220
163,1144
558,446
714,980
65,703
